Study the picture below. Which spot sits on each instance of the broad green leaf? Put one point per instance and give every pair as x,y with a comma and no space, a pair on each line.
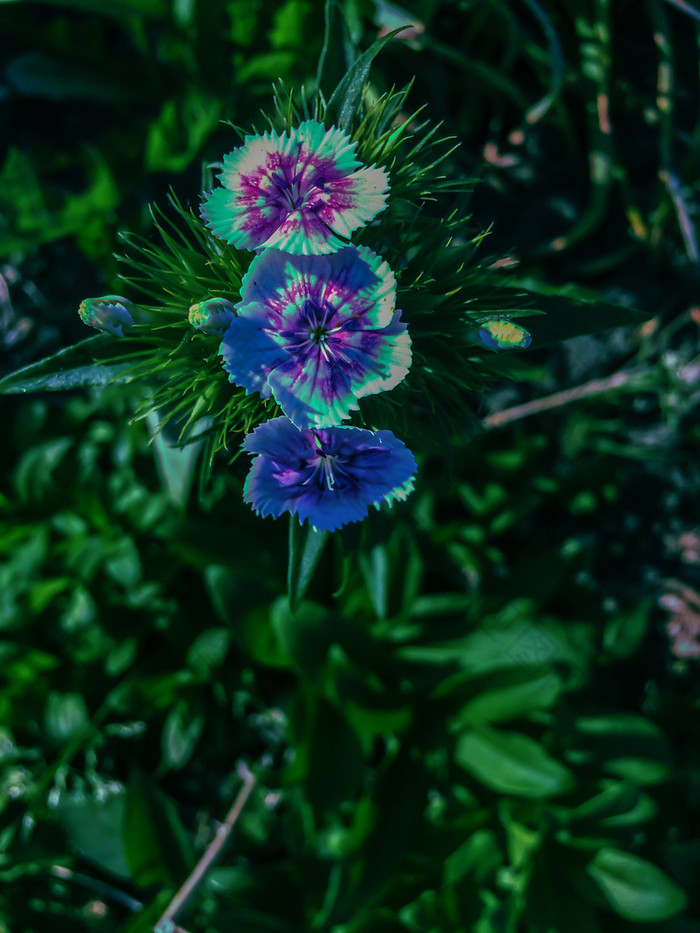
305,634
94,829
156,845
181,732
243,603
333,755
208,651
538,691
510,763
65,716
628,746
625,631
634,888
97,361
306,545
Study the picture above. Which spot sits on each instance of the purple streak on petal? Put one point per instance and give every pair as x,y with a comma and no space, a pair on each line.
303,192
332,319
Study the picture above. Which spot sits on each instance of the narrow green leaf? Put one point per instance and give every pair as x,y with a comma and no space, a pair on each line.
93,362
375,570
306,545
634,888
331,62
347,97
572,312
176,462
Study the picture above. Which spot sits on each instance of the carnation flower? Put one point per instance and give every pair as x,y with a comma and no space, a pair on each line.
300,192
317,333
212,316
328,477
110,314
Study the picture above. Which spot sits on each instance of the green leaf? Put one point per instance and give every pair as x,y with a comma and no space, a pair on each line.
627,745
346,98
305,634
531,690
63,79
176,462
571,312
94,829
156,845
625,631
181,732
510,763
118,8
66,715
243,602
208,651
375,570
479,855
93,362
333,755
306,545
634,888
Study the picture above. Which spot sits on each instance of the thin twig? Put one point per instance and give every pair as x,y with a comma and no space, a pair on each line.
559,399
223,831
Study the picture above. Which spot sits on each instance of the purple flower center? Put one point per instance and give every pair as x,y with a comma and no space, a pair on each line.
327,469
292,189
314,331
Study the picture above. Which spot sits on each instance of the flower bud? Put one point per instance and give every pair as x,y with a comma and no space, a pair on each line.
110,314
502,334
212,316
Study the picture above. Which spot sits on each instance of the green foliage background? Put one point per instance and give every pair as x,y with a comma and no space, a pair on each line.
472,721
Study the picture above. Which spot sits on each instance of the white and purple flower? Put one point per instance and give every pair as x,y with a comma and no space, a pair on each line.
305,192
328,477
317,333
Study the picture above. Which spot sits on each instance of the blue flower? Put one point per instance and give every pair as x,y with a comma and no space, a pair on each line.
317,333
328,477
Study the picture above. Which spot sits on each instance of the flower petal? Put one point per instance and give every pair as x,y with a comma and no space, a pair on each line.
302,192
250,352
327,477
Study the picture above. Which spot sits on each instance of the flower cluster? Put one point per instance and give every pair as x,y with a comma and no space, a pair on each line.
303,321
316,326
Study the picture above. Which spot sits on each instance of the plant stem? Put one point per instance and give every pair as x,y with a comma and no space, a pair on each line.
166,923
559,399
